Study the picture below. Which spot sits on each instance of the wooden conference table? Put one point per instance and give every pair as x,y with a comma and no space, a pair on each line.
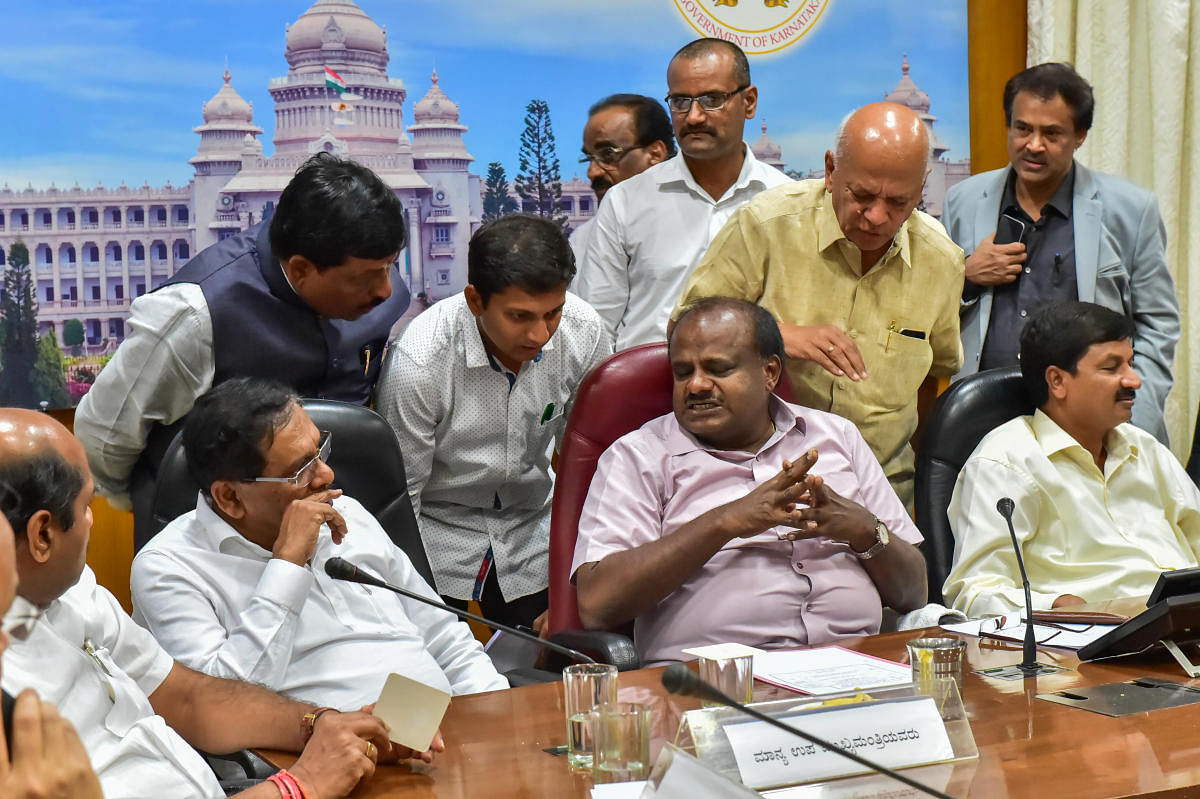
1027,747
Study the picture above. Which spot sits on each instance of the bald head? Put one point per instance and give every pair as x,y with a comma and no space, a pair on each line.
885,130
49,489
877,176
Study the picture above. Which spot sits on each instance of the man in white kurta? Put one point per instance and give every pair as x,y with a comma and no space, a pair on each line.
228,606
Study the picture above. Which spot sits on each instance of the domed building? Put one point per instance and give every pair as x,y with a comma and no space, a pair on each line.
942,173
767,151
429,172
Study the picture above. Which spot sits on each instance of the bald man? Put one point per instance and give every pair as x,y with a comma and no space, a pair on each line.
137,711
865,287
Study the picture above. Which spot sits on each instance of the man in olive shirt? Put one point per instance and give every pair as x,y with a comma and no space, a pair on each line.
865,287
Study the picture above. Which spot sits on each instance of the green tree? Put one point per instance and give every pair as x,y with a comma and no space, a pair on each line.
496,200
73,335
18,316
48,380
538,178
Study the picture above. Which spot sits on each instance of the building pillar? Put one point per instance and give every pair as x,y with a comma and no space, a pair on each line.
415,260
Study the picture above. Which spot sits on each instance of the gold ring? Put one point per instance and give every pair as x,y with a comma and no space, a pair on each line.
831,348
370,750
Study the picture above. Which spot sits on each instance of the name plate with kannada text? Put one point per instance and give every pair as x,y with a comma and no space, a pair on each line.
896,734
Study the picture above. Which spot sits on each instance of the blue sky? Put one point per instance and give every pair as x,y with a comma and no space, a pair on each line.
110,91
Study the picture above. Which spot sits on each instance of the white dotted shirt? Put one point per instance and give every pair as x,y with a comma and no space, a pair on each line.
469,441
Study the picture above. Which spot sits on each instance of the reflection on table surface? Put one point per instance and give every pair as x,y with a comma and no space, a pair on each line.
1027,747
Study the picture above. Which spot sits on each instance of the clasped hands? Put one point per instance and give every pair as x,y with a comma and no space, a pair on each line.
778,502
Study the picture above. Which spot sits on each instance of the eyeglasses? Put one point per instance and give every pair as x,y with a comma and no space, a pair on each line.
308,471
713,101
609,156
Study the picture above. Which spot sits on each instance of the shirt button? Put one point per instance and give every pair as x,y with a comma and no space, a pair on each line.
797,567
336,362
1027,270
853,333
1024,314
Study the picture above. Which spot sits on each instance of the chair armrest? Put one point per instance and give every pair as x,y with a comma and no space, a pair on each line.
605,647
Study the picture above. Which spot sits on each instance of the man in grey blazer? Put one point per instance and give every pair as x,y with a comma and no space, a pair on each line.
1047,229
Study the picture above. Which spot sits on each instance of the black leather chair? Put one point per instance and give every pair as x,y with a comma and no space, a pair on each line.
367,465
962,415
1193,464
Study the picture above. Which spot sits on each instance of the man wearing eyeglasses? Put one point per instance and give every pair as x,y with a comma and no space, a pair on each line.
652,229
137,711
237,588
625,135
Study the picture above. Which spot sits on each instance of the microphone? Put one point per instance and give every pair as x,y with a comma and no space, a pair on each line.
342,569
1029,665
679,679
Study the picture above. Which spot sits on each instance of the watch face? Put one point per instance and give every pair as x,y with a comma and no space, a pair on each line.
881,533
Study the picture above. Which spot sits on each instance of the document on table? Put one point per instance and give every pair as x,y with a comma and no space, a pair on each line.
827,670
1012,628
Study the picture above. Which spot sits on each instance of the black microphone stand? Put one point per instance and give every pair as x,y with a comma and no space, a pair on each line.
342,569
1028,665
679,679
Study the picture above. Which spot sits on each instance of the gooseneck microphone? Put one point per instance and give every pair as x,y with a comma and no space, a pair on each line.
342,569
1029,665
679,679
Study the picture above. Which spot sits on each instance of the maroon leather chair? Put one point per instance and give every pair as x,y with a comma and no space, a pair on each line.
618,396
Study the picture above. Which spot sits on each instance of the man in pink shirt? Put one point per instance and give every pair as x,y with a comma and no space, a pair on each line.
740,517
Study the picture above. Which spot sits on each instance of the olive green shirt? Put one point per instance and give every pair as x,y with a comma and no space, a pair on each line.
785,250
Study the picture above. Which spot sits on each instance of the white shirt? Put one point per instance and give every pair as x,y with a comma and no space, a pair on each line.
651,230
132,750
162,366
579,240
222,605
1095,535
471,443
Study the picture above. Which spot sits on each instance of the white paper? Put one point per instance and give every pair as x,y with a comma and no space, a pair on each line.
618,790
902,732
412,709
827,670
685,777
1011,628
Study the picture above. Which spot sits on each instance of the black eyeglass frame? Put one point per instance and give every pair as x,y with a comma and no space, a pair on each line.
682,103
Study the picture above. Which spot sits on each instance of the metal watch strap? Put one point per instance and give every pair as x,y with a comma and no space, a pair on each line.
882,539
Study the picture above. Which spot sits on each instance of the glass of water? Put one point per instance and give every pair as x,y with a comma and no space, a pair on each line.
621,738
585,685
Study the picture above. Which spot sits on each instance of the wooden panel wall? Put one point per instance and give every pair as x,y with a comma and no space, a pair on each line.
996,34
110,551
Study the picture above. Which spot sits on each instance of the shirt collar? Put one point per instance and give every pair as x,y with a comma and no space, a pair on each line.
675,170
1053,439
830,234
1062,202
680,442
214,533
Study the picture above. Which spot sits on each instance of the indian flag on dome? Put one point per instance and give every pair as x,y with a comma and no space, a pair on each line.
334,81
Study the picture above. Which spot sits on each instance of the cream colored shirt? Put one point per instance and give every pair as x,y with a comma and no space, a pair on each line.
1095,535
786,251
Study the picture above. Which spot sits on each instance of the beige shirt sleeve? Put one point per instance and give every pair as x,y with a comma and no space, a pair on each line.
155,376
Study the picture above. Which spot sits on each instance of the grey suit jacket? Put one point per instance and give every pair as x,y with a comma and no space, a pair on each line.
1120,263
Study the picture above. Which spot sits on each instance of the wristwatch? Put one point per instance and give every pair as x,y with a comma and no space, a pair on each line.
882,539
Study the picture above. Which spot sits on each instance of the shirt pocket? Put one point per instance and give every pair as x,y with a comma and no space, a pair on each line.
901,362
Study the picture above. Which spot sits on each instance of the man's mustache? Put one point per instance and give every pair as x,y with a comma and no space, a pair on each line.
700,129
1126,394
601,185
